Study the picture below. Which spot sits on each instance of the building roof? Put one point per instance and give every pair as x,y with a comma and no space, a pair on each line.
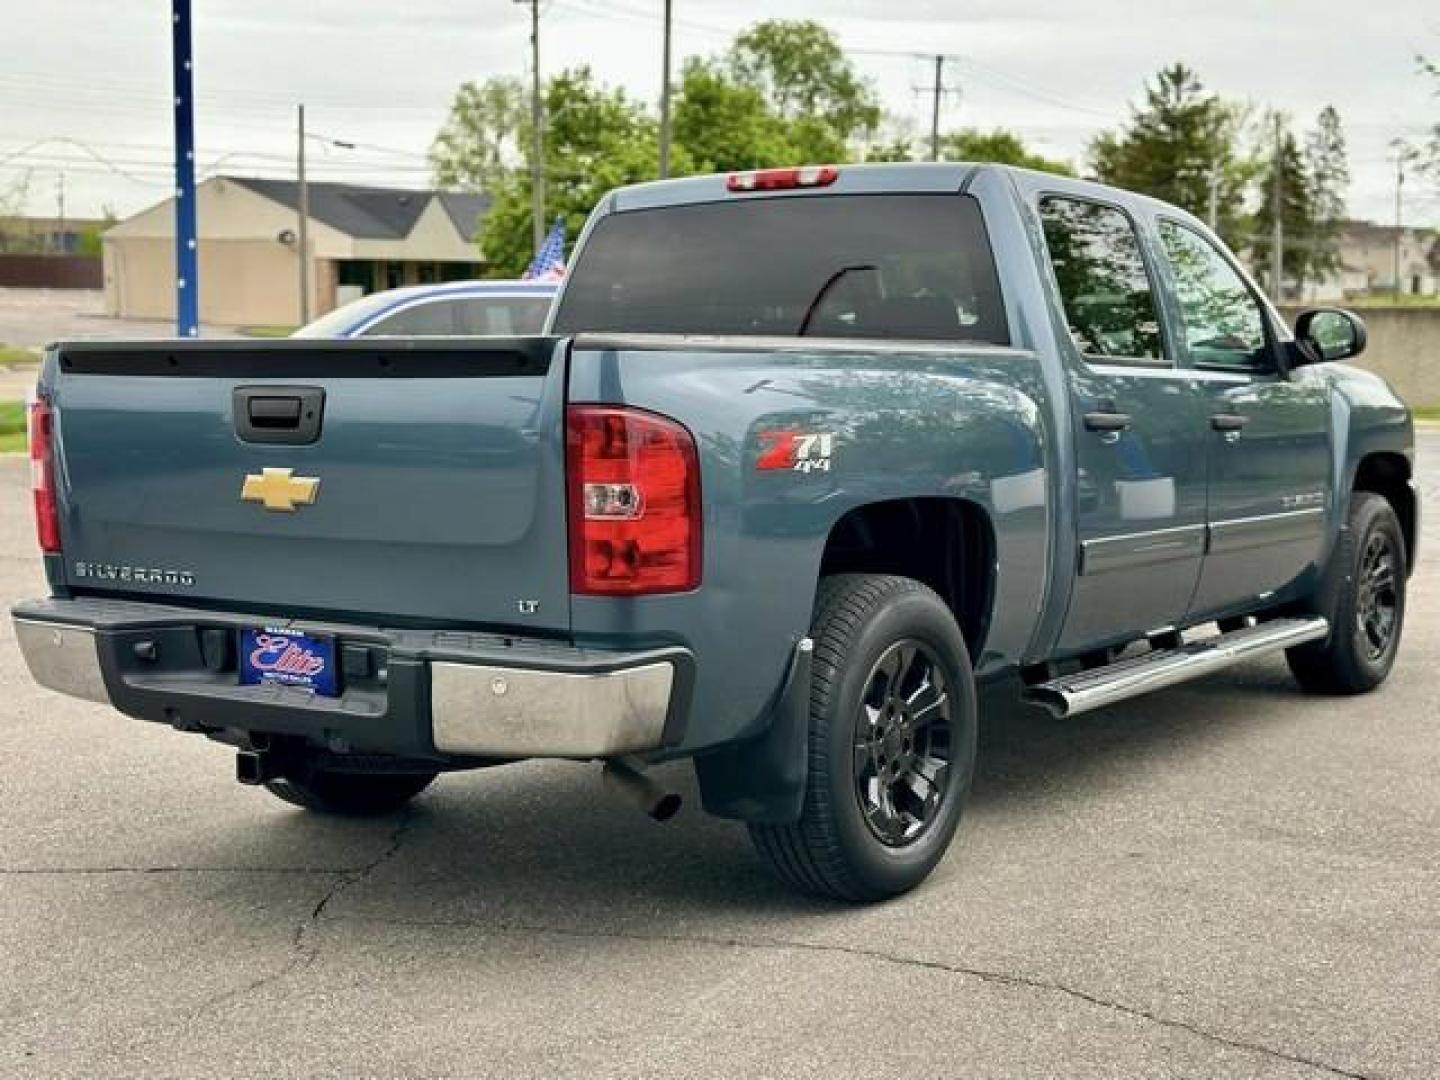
371,213
1369,231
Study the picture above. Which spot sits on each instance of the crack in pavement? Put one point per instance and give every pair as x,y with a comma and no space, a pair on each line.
985,975
303,948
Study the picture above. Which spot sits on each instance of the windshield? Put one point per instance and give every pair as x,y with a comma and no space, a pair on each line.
859,266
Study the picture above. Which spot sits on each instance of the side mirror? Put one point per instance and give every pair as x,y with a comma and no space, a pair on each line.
1331,334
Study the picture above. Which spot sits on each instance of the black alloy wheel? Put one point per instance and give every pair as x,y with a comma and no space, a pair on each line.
1362,595
891,742
902,746
1376,599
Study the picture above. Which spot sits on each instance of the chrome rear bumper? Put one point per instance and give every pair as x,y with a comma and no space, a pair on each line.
441,693
482,709
62,658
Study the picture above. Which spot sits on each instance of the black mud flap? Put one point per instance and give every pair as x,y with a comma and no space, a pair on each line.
762,780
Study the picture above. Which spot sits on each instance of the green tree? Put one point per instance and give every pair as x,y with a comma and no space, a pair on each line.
1327,168
1000,146
1180,146
1429,154
596,138
893,148
784,93
480,142
90,242
800,68
725,124
1297,209
14,237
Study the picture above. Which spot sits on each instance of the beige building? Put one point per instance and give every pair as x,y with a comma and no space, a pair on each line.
1371,251
361,239
1368,259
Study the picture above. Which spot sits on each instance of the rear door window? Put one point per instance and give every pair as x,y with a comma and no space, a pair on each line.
1109,303
915,267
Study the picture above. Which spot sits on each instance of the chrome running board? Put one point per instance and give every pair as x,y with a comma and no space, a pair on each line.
1071,695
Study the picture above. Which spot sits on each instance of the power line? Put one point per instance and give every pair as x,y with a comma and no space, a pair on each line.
137,168
44,86
82,147
982,73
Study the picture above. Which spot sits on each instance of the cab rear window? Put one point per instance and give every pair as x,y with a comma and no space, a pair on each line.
915,267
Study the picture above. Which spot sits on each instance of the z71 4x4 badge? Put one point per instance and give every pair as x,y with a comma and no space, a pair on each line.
795,451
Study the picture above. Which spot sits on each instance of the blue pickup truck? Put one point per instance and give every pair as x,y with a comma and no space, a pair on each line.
802,455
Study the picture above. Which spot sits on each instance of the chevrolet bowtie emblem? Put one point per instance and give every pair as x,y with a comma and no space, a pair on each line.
280,489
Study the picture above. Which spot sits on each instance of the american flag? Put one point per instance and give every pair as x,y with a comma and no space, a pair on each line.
549,261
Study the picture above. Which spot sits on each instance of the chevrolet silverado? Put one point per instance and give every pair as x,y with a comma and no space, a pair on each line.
801,456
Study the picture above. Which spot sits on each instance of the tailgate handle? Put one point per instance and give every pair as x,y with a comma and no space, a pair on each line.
284,415
275,412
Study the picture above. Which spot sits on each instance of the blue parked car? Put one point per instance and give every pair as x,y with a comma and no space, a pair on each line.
452,309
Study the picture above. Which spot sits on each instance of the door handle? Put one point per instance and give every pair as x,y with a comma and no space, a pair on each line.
1107,421
1228,421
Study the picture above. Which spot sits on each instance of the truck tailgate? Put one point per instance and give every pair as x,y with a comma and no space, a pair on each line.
433,489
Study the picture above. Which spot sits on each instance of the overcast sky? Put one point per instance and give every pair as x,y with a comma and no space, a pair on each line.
381,72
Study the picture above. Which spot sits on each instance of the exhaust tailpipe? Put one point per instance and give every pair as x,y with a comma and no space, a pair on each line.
623,777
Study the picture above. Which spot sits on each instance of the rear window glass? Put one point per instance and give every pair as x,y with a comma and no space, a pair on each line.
857,266
465,316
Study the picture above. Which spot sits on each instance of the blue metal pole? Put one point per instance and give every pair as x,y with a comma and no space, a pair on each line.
187,274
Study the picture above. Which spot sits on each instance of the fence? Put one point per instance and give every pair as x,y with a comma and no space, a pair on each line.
51,272
1404,348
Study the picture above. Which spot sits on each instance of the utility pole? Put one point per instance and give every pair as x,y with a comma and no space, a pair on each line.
302,234
937,90
187,274
1399,210
935,108
537,133
665,97
60,214
1277,205
1212,209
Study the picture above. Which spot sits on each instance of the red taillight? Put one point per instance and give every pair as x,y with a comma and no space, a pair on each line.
782,179
42,476
634,484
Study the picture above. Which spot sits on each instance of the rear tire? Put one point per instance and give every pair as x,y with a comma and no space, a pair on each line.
891,742
1362,593
349,794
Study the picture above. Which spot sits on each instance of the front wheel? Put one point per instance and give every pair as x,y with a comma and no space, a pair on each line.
1362,593
891,742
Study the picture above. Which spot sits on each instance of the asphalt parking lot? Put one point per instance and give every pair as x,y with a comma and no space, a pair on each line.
1229,879
30,318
